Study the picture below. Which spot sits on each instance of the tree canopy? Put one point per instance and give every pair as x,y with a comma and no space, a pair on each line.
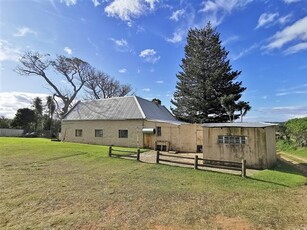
297,129
76,74
206,90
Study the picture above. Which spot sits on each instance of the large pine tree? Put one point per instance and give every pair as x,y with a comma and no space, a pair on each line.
206,78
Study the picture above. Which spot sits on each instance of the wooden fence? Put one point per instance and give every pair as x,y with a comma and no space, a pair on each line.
124,153
201,162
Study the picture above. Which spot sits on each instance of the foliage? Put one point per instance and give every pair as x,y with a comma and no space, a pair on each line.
100,85
24,119
57,185
76,73
297,129
5,122
38,112
289,147
206,78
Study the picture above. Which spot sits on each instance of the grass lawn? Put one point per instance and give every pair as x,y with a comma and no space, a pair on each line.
54,185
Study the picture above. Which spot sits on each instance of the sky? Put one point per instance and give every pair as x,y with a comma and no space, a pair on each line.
141,43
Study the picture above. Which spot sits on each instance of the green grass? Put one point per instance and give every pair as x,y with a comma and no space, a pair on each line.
289,148
55,185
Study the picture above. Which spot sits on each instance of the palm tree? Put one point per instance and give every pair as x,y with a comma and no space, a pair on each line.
51,108
243,107
228,103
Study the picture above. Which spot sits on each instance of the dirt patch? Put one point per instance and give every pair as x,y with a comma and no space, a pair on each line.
223,223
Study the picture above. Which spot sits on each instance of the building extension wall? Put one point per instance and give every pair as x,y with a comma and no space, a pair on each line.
258,151
177,137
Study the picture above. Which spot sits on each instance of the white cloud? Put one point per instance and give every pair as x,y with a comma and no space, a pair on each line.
69,2
128,9
146,89
300,89
10,102
149,55
297,32
245,52
23,31
291,1
121,45
216,10
68,50
296,48
8,52
96,2
177,14
147,52
265,19
122,70
160,82
178,36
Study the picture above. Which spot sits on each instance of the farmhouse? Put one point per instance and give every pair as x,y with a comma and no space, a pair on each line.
254,142
130,122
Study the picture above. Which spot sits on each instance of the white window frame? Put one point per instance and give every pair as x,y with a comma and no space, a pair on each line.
233,140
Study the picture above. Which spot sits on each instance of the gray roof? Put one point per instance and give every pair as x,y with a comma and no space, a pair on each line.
119,108
239,125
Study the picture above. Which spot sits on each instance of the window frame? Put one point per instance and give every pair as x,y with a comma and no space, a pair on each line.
159,131
78,132
123,133
97,131
232,139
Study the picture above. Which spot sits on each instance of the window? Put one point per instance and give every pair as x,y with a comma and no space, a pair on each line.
78,132
232,140
159,131
98,133
123,133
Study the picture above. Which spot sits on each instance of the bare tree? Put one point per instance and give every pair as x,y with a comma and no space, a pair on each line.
101,85
74,71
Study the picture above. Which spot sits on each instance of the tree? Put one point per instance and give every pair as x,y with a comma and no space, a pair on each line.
74,72
24,119
205,78
243,107
101,85
50,109
297,129
5,122
38,112
228,103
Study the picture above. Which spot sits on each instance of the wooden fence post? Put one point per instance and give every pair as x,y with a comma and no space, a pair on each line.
110,151
138,155
196,162
243,173
158,155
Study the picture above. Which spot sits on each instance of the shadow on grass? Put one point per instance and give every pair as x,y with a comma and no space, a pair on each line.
288,166
66,156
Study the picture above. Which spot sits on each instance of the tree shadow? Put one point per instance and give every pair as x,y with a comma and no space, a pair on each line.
287,166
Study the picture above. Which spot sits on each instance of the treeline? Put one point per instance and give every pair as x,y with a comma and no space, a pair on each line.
294,132
41,119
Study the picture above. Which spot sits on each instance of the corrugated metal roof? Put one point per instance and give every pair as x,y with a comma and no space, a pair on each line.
119,108
239,125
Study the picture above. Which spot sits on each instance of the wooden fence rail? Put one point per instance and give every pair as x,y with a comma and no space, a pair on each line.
238,166
134,155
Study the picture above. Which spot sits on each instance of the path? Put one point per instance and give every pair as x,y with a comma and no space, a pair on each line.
150,157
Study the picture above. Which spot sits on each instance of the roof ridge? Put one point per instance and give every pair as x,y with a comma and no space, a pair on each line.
136,98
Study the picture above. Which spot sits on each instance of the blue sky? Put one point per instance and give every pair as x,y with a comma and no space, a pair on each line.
141,42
